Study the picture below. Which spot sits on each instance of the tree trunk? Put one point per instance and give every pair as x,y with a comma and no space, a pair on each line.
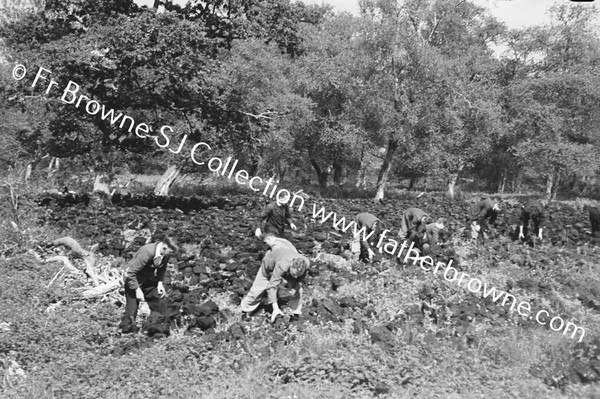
549,181
385,169
166,180
338,172
361,169
101,183
502,183
282,172
555,185
517,181
51,166
452,185
452,179
412,183
254,163
322,174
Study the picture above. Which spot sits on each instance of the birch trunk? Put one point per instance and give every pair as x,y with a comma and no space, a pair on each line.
166,180
100,184
452,179
385,169
361,169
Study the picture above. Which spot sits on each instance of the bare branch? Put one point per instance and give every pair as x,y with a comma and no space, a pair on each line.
435,25
457,93
262,115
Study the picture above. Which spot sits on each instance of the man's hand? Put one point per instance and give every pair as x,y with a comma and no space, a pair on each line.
276,312
293,226
257,232
139,295
161,290
371,253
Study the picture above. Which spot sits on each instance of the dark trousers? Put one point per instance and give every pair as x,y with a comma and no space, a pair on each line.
368,244
155,303
269,228
595,220
364,250
536,226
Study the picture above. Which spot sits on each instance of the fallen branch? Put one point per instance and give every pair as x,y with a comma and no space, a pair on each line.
88,257
66,262
102,290
55,276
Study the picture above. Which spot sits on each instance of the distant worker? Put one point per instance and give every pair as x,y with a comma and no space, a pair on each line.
373,224
532,210
479,214
143,280
431,236
276,216
413,224
595,220
281,262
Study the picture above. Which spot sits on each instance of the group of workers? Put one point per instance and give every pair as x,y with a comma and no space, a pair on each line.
283,263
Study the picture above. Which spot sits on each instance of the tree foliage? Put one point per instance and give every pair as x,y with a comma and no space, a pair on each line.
418,85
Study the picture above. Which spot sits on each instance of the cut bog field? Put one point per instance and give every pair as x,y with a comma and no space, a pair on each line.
359,314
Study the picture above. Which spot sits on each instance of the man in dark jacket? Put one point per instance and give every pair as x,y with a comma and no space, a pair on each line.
413,223
371,223
431,236
143,280
479,214
281,262
275,216
532,210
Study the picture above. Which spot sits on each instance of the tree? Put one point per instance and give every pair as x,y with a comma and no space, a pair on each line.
413,55
554,105
330,139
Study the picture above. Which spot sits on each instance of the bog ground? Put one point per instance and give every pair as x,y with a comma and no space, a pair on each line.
383,330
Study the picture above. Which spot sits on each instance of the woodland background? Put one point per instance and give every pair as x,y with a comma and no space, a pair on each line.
412,94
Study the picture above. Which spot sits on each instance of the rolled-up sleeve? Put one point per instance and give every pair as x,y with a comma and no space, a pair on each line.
276,279
135,266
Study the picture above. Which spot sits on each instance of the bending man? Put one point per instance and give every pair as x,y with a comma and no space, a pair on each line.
144,281
431,236
373,227
413,223
276,216
479,214
534,211
281,262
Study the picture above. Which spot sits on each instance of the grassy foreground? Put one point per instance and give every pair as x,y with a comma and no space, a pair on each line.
53,345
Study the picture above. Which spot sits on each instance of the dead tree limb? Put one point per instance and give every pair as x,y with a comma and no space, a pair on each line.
262,115
102,289
66,262
88,257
